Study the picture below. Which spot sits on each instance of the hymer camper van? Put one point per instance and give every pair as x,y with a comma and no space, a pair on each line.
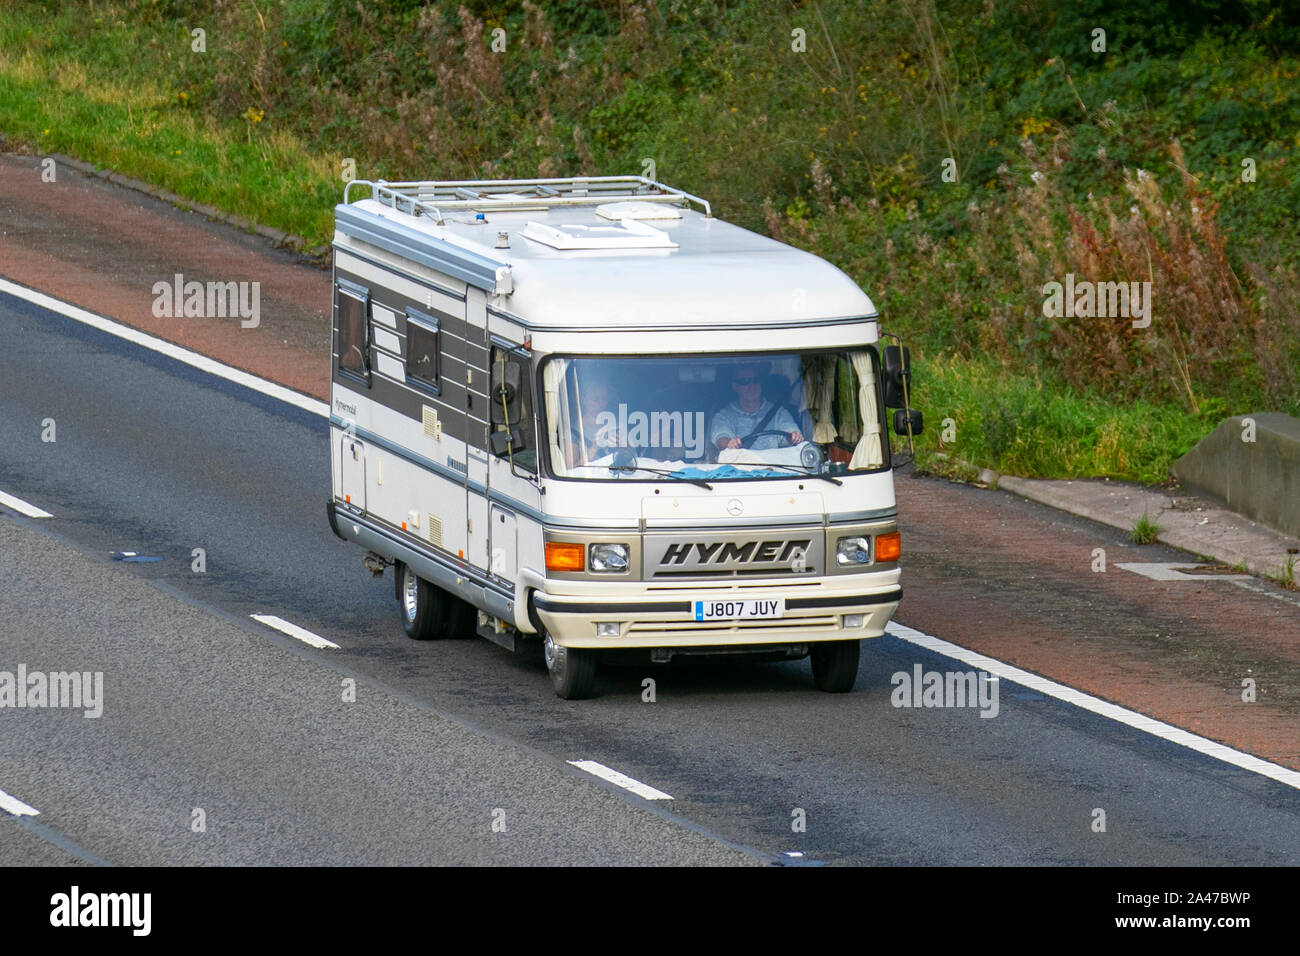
586,412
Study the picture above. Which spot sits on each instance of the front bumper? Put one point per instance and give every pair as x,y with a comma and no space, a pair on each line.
661,619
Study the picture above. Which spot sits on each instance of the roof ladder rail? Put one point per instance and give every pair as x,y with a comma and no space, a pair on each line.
391,194
480,195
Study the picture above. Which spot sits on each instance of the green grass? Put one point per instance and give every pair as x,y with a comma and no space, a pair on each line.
837,149
114,103
1017,424
1144,530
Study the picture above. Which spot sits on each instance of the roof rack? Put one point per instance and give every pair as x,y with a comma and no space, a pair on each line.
430,198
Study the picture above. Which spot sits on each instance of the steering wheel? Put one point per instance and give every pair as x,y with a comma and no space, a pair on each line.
749,439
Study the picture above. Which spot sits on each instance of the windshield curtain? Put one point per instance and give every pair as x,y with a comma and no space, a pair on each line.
713,416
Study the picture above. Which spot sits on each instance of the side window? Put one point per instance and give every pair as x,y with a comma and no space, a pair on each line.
422,351
511,412
352,305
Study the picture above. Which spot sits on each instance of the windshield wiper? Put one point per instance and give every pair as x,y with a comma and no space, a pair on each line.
662,471
625,460
797,469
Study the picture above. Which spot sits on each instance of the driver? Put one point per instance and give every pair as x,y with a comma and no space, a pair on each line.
598,433
750,413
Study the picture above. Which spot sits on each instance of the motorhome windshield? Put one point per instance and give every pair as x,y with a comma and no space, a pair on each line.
714,417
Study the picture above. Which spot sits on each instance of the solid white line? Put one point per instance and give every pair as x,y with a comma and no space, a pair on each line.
22,507
15,806
135,336
1096,705
293,630
620,780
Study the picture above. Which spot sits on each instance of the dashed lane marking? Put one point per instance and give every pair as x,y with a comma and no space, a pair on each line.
23,507
15,806
293,630
620,780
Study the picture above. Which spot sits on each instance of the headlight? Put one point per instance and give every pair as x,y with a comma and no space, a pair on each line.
849,551
608,557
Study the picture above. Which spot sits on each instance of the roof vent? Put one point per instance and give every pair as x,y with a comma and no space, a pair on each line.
625,234
633,209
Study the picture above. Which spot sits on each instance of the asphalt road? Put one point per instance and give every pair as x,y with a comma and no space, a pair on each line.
157,458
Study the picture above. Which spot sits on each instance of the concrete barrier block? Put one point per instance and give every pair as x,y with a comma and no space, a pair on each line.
1251,462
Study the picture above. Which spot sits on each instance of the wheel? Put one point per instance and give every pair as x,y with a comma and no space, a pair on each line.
457,617
835,665
422,608
573,670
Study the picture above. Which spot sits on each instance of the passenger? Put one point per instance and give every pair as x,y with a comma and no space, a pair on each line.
598,434
751,413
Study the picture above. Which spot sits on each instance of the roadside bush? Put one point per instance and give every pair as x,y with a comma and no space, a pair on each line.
953,157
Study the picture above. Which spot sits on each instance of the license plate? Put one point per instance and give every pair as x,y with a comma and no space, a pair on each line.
739,610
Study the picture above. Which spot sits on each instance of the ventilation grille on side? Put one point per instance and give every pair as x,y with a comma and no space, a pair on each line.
432,427
435,531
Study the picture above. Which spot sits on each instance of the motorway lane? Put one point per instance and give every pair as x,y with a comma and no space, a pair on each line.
284,762
158,458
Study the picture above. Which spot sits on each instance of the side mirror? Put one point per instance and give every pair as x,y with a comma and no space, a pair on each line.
896,369
905,417
504,395
505,442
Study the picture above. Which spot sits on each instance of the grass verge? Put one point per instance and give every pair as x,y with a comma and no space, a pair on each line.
112,103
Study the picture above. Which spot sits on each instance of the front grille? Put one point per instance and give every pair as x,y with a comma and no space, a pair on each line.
736,586
697,574
805,624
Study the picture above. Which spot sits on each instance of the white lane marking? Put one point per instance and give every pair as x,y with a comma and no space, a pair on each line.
15,806
201,362
22,507
1164,571
620,780
1170,571
293,630
1096,705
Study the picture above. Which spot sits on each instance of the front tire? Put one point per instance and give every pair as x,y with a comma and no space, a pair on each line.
573,669
835,665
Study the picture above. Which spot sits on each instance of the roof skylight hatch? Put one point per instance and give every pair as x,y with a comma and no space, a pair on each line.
637,209
623,234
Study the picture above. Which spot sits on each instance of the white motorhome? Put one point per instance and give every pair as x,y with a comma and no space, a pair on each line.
586,412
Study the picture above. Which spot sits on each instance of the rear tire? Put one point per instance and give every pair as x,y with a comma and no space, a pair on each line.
457,617
835,665
573,669
421,605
